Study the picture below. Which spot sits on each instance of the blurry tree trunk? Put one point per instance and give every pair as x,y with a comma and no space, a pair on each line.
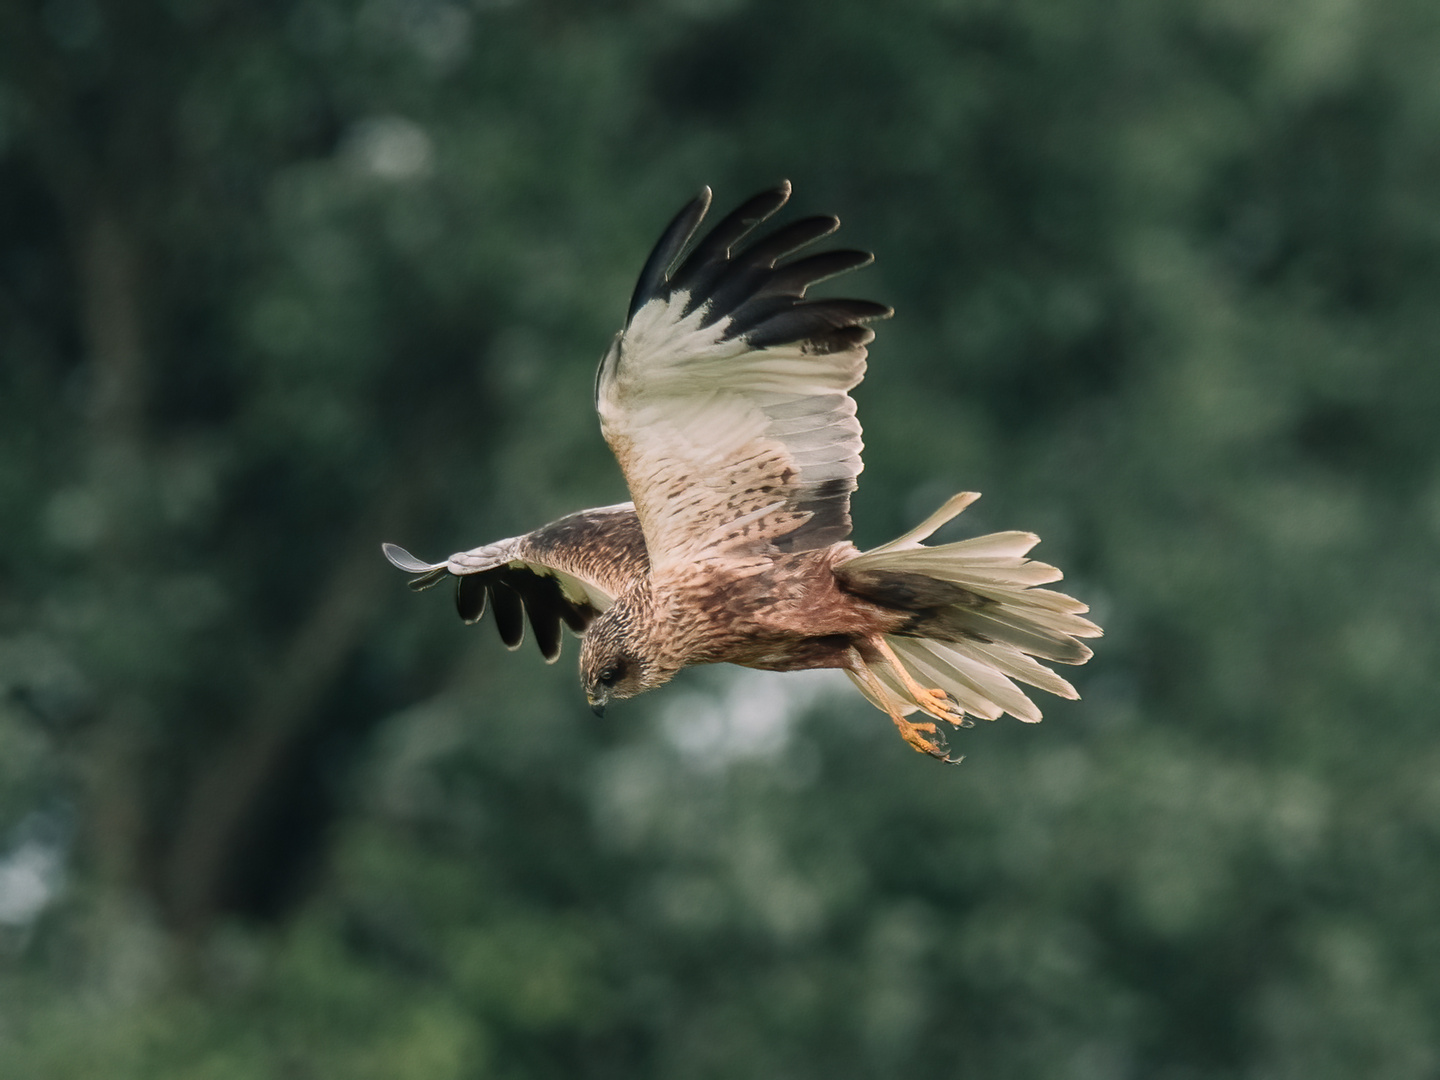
82,164
109,103
107,271
70,159
109,276
232,783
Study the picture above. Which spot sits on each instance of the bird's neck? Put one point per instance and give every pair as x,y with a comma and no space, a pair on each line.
662,627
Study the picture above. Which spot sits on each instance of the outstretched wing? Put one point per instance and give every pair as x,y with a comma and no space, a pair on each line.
726,398
568,571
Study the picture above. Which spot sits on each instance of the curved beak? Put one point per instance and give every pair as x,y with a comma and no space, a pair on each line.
598,703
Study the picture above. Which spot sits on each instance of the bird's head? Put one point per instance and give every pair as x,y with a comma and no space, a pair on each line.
614,660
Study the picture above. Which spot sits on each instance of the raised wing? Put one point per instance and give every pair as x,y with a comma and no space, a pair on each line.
568,571
726,398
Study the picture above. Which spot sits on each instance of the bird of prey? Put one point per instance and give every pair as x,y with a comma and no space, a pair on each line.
726,402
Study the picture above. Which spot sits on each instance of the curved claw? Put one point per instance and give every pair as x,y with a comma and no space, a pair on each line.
941,705
914,734
935,746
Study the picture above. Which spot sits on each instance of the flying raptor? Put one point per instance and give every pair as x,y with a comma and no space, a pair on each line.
726,401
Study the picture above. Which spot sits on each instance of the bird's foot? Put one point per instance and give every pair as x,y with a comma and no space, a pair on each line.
914,734
942,706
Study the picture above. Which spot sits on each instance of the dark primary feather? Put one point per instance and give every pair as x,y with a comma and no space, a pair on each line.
470,594
810,320
762,296
788,239
745,285
654,277
795,277
711,258
544,603
509,589
730,230
753,273
509,612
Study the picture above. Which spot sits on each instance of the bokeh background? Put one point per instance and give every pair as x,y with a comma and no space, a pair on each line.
281,280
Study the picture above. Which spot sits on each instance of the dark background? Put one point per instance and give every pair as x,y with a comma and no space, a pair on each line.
279,281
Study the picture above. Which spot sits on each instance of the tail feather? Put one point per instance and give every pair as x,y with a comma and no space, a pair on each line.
1023,668
981,691
1024,573
984,629
1033,630
911,539
1003,548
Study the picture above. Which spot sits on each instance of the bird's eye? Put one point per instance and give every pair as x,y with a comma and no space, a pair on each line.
610,675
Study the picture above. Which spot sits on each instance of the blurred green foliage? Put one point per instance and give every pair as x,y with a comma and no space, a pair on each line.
278,281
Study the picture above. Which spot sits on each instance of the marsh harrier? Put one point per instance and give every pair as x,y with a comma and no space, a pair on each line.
726,401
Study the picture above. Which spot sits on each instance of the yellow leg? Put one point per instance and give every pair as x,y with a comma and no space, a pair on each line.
936,702
914,734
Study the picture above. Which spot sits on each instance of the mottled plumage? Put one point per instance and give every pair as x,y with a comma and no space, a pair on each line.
726,402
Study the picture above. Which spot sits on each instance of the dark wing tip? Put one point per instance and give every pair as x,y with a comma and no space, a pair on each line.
667,250
711,258
515,597
830,324
509,614
470,598
759,283
795,277
545,623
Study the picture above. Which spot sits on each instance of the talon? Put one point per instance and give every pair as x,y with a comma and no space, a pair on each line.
941,705
938,703
911,733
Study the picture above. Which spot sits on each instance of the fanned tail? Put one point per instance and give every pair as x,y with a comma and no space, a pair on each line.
978,622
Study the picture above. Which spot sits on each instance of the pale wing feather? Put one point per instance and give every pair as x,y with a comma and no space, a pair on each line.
735,428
